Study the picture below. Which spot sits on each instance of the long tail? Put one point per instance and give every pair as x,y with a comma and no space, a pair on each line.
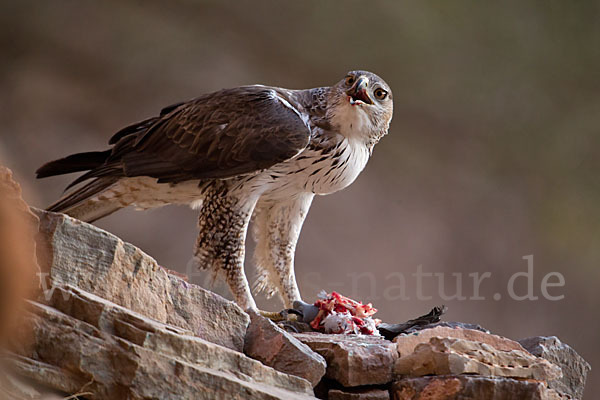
73,163
85,203
96,199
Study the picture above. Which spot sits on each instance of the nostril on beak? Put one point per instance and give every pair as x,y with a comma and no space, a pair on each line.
361,84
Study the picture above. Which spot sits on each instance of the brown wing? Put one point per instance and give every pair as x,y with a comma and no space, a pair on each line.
219,135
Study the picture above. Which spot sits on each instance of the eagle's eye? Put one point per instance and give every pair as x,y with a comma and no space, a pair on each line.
380,94
350,80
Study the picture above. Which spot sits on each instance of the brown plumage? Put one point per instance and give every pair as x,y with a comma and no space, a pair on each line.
234,153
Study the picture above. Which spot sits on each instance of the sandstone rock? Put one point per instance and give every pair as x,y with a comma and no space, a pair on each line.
47,376
354,360
442,356
574,367
358,394
276,348
79,254
205,313
469,387
406,343
12,387
85,344
112,323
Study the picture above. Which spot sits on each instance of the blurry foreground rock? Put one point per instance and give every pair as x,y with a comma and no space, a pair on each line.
18,267
109,323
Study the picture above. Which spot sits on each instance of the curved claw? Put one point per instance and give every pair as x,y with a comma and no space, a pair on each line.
302,311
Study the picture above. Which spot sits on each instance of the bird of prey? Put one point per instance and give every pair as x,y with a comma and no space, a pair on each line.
249,152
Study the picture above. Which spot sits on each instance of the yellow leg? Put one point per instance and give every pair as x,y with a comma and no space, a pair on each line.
277,316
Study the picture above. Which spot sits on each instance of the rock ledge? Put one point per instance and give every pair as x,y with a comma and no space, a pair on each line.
108,322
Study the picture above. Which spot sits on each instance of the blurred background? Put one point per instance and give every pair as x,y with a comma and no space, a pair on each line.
492,155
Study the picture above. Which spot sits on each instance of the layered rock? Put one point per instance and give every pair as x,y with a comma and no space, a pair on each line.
467,363
74,253
574,367
442,356
85,344
459,387
276,348
406,343
110,322
354,360
358,394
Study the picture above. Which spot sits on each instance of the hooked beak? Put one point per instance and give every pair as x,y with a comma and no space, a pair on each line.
358,93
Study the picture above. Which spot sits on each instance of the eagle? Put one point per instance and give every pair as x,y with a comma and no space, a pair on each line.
253,152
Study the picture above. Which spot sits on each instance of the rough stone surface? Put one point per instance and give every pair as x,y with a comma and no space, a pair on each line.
13,387
447,324
406,343
442,356
85,344
276,348
358,394
111,323
79,254
354,360
462,387
573,366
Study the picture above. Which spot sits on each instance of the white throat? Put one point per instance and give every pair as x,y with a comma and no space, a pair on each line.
352,120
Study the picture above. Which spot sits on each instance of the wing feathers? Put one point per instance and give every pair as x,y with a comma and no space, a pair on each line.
218,135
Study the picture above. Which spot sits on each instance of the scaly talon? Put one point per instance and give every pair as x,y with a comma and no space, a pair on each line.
282,315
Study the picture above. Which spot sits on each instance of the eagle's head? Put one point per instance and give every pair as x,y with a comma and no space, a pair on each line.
361,106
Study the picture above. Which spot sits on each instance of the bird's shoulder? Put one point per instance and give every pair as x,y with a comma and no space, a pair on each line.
216,135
